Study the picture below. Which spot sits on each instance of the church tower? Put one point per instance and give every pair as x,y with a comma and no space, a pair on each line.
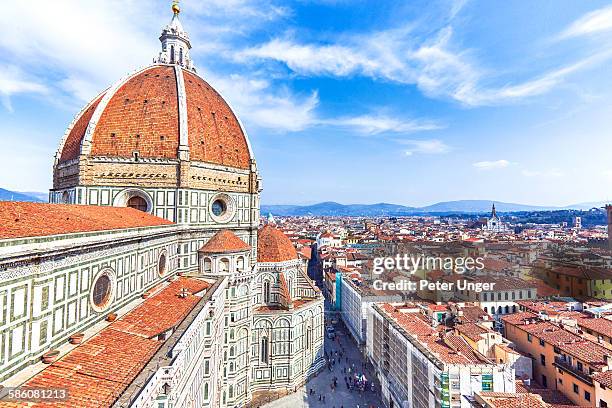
609,211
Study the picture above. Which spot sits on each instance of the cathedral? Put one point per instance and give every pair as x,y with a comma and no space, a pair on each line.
147,281
494,223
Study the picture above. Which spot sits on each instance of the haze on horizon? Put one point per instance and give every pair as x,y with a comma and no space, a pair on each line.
352,102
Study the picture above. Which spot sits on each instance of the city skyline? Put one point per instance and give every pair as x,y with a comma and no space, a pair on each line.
450,79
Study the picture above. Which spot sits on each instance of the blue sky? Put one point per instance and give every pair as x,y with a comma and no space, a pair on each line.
352,101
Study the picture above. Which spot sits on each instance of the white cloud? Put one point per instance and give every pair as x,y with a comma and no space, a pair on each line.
596,21
550,173
490,165
257,103
428,146
432,64
260,104
376,124
14,81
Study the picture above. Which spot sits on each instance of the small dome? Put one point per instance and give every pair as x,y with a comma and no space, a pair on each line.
224,241
274,246
155,113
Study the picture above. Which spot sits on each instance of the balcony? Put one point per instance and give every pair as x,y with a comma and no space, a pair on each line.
562,364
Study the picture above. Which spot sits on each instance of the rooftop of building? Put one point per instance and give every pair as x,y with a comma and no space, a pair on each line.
274,246
224,241
446,347
96,372
589,352
24,219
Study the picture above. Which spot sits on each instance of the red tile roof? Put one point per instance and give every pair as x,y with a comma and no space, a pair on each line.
274,246
224,241
143,116
215,135
72,145
99,370
21,219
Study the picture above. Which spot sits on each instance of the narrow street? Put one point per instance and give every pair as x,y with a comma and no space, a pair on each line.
311,395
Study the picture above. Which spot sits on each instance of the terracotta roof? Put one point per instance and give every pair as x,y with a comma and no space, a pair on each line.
72,145
224,241
604,378
98,371
21,219
143,115
274,246
215,135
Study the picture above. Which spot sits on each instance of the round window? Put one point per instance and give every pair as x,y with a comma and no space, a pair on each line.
138,203
218,207
101,291
161,265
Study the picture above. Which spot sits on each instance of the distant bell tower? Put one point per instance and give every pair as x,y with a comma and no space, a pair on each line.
175,43
609,211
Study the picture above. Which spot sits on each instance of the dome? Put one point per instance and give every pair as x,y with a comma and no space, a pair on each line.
224,241
156,113
274,246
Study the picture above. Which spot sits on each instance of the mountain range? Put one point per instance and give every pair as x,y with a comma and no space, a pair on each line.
8,195
331,208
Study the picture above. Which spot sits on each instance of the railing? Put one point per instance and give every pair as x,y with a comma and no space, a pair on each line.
561,363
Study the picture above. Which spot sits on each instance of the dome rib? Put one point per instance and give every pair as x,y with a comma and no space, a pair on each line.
274,246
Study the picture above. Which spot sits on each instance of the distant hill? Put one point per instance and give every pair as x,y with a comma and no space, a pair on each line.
331,208
480,206
8,195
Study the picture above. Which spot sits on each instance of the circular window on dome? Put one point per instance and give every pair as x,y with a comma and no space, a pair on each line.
102,291
222,208
162,264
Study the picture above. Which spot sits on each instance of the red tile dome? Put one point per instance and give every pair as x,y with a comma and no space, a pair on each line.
156,112
224,241
274,246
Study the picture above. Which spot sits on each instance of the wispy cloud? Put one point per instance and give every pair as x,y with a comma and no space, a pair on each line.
596,21
490,165
376,124
428,146
14,81
436,66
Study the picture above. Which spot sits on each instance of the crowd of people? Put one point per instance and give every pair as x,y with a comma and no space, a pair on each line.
353,371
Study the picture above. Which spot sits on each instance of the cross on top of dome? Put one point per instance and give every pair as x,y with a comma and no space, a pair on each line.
175,42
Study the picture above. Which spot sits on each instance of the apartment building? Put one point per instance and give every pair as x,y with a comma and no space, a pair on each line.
420,366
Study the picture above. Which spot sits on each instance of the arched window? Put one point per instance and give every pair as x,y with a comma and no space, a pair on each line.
231,391
240,263
207,265
499,310
138,203
264,350
181,56
514,309
224,265
485,310
172,54
205,391
507,309
308,337
266,292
